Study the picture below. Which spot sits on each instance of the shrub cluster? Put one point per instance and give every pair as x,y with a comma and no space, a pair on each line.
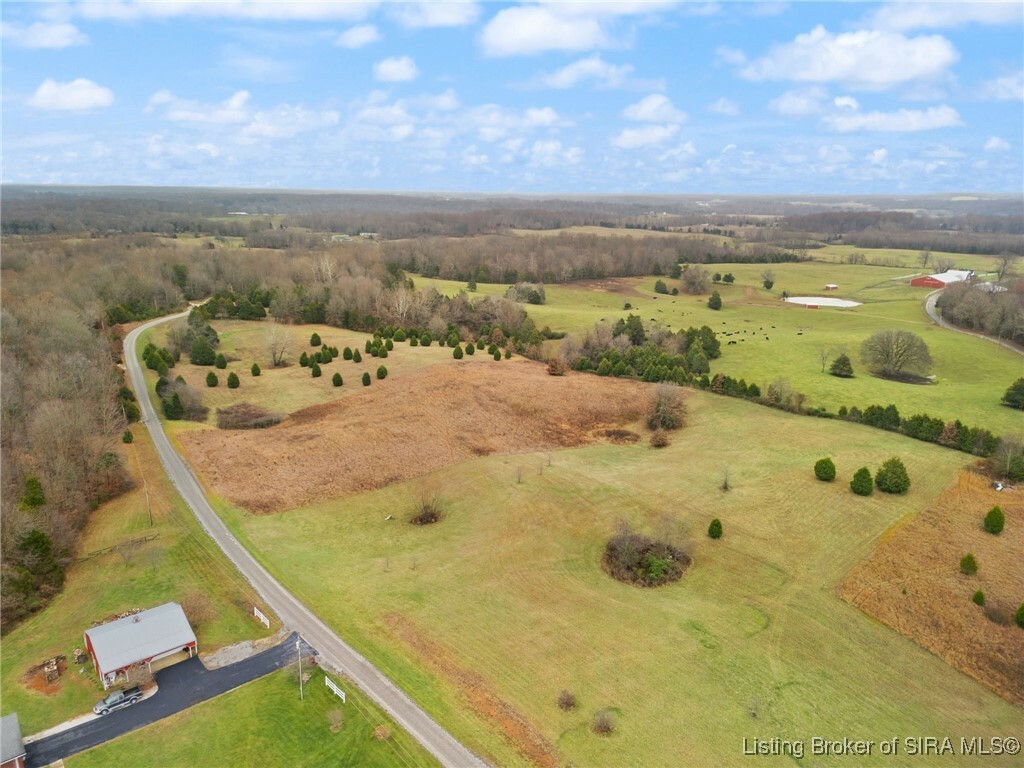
246,416
861,483
668,411
643,561
825,470
892,477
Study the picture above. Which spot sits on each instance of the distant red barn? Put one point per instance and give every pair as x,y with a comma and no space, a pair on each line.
927,281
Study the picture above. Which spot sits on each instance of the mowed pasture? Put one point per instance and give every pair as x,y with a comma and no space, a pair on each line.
776,340
265,723
487,615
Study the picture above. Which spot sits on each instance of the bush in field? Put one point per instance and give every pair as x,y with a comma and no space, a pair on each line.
457,353
861,483
315,371
366,379
508,354
389,345
425,340
304,360
314,340
336,380
715,302
994,521
715,529
566,701
233,380
604,723
246,416
1019,616
660,439
127,436
842,367
414,341
825,469
220,361
428,510
470,349
382,372
357,357
383,352
368,346
211,379
255,369
643,561
400,335
667,409
33,496
556,366
480,343
892,477
1014,396
173,409
978,598
968,564
347,353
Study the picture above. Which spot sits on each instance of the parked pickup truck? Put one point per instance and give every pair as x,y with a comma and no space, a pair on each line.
118,700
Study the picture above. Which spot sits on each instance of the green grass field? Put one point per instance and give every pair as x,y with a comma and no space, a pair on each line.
777,340
264,723
752,641
178,565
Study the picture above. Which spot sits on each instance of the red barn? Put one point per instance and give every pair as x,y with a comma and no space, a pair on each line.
160,633
943,279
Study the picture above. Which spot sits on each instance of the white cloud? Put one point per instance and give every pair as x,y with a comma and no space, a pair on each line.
42,35
358,36
680,153
656,108
726,55
902,120
1009,88
846,102
724,106
593,68
540,116
996,144
494,123
551,154
905,16
231,111
799,103
285,121
255,67
431,13
77,96
648,135
396,69
280,10
208,148
442,102
868,59
527,30
878,156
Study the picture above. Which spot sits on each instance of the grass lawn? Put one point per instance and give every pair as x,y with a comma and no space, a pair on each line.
264,723
776,340
751,642
182,564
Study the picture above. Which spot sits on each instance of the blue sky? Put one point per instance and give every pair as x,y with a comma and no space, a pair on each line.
585,97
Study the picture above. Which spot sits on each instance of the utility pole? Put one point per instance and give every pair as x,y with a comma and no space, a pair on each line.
298,650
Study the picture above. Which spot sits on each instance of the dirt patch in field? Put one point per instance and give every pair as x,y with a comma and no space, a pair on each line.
410,426
913,584
611,286
519,732
36,680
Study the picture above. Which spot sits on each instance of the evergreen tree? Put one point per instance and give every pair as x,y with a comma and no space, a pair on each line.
457,353
497,355
400,335
211,379
255,369
127,436
715,529
33,496
314,340
366,379
861,483
842,367
968,564
201,352
978,598
220,361
1019,616
357,357
1014,396
425,340
715,302
347,353
315,371
173,408
994,521
892,477
336,380
382,372
470,349
825,469
304,360
233,380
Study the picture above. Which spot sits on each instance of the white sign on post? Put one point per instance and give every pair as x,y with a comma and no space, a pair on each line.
259,615
335,688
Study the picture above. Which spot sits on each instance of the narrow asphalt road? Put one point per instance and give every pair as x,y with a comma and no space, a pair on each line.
180,686
933,313
335,652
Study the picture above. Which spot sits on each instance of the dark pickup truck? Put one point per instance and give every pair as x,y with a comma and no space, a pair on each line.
118,700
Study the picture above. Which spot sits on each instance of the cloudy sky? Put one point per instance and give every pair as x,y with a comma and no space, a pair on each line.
534,97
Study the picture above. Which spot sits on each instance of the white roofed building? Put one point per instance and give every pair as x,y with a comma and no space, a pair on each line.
118,647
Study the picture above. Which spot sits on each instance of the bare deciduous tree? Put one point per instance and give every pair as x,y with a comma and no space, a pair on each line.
277,339
895,353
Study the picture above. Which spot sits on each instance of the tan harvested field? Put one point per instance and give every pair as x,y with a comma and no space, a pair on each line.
913,583
405,427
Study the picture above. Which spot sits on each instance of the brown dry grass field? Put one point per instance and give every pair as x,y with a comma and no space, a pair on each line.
408,426
913,583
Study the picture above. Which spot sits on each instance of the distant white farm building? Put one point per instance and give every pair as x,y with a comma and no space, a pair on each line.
943,279
159,634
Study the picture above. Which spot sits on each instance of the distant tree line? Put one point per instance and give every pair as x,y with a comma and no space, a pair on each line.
998,313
